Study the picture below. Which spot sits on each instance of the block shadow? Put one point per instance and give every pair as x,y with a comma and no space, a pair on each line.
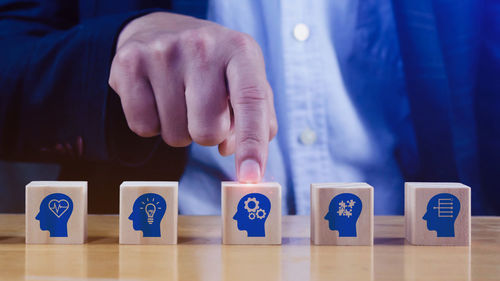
102,240
12,240
389,241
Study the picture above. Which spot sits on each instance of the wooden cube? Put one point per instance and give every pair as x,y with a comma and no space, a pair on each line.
56,212
251,213
341,214
437,213
148,212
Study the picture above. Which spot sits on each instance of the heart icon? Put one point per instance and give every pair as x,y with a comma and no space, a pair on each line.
58,207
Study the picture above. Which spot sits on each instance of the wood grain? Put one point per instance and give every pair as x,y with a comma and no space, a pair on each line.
417,196
200,255
37,231
129,192
321,196
235,215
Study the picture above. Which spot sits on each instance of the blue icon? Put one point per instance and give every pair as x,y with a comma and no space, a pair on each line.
343,213
55,210
253,210
442,211
147,213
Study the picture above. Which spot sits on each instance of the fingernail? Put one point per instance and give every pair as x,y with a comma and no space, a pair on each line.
249,171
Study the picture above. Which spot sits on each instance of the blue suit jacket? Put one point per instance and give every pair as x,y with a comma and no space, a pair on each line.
55,58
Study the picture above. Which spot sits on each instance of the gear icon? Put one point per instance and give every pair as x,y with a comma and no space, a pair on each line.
261,214
256,203
251,216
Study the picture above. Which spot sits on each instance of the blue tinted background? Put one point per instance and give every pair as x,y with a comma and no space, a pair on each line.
447,63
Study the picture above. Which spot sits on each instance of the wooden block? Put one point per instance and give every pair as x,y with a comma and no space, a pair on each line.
437,213
341,214
56,212
148,212
251,213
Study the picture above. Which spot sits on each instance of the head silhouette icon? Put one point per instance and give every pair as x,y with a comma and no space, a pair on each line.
252,213
343,214
147,213
442,211
55,211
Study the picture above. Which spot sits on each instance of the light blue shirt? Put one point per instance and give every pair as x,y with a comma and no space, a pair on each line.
331,127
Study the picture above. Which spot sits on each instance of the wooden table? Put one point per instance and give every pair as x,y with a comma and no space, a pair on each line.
200,255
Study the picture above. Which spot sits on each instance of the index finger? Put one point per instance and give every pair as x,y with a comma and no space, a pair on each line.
249,94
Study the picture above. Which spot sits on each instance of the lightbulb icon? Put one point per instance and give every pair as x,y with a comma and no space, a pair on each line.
150,210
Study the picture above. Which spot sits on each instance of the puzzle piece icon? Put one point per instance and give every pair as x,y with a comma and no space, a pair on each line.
346,209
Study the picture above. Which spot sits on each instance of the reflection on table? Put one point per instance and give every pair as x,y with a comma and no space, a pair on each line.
200,255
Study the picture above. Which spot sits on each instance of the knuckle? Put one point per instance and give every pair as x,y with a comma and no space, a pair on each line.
251,139
129,55
251,94
243,42
197,44
193,40
160,47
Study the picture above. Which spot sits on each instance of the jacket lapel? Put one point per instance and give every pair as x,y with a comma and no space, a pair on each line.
438,41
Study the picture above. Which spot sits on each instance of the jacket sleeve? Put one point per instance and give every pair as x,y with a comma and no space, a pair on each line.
54,93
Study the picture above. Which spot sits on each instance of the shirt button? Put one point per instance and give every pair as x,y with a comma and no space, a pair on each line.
308,137
301,32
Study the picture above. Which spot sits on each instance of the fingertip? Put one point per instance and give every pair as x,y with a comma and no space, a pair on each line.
249,171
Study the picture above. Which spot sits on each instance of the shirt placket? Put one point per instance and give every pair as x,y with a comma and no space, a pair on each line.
306,109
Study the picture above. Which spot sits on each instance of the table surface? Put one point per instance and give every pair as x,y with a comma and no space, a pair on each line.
200,255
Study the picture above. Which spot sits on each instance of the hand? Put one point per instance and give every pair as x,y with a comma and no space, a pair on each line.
193,80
